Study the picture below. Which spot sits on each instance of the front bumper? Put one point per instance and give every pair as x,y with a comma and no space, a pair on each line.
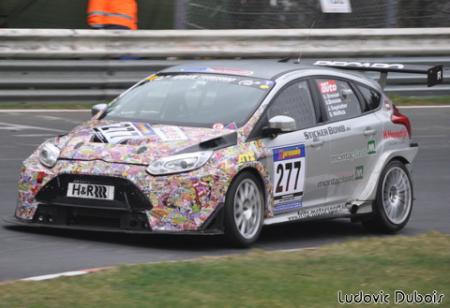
14,221
182,203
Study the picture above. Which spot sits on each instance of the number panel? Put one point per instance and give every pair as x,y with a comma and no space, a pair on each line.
289,177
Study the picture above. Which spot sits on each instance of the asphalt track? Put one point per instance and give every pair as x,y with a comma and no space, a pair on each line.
26,252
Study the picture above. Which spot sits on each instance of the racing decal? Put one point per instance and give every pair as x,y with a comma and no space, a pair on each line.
360,64
231,125
119,132
330,130
335,104
170,133
256,83
144,128
371,147
328,86
359,172
218,126
356,154
345,177
152,77
213,78
218,70
388,134
334,210
246,157
262,84
349,156
331,210
289,177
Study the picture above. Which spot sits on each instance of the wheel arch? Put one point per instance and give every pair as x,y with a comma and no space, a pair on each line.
405,156
398,158
261,178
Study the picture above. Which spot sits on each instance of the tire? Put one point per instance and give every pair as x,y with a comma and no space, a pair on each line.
244,210
394,201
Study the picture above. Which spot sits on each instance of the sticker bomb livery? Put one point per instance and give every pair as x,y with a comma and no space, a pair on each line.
180,203
212,149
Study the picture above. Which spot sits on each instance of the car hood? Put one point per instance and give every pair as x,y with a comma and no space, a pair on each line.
134,142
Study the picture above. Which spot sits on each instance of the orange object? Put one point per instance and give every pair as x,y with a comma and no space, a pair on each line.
105,13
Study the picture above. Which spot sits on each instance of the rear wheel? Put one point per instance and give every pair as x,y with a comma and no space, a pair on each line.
393,205
244,210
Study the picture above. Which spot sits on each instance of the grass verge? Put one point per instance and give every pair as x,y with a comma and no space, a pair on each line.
308,278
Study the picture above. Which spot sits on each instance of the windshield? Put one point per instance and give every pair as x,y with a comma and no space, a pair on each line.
203,100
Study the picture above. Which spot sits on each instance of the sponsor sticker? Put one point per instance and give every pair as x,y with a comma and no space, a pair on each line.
371,147
359,172
356,154
360,64
170,133
231,125
218,126
322,132
119,132
393,134
218,70
152,77
348,176
246,157
145,129
289,152
329,210
282,207
328,86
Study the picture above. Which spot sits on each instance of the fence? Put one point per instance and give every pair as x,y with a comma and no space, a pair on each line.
86,65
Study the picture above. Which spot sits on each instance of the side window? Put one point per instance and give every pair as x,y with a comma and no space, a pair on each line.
371,96
340,101
296,102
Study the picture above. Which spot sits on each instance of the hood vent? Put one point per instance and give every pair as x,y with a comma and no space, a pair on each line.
117,133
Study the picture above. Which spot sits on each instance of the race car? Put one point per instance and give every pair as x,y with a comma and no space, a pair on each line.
226,147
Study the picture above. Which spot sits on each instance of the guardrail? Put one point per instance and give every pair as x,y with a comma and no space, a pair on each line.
96,65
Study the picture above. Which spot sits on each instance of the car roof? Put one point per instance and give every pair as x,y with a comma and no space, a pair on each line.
264,68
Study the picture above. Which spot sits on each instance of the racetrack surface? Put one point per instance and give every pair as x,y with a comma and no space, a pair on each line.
29,252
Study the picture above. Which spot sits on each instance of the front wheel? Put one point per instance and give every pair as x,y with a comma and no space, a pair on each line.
244,210
393,205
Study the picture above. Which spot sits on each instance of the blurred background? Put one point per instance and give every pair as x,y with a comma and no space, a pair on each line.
234,14
65,66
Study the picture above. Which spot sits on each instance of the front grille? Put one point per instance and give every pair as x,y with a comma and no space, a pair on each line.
127,197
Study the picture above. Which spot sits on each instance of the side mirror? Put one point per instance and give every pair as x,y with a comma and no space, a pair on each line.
280,124
98,108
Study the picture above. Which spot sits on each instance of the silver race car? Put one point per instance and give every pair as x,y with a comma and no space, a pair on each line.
227,147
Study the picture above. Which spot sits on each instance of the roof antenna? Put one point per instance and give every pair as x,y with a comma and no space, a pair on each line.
300,54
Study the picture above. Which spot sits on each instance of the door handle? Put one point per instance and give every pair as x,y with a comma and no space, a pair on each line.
369,132
317,143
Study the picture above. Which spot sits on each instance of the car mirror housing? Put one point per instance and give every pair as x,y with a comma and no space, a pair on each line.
280,124
98,108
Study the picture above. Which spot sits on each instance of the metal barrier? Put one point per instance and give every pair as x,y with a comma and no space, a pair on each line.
96,65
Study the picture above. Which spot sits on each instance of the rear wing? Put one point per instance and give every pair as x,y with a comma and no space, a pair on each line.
435,74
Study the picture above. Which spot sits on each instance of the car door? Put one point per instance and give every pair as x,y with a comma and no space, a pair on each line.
353,135
298,157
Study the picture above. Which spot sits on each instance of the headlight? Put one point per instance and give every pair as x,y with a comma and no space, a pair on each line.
49,155
179,163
